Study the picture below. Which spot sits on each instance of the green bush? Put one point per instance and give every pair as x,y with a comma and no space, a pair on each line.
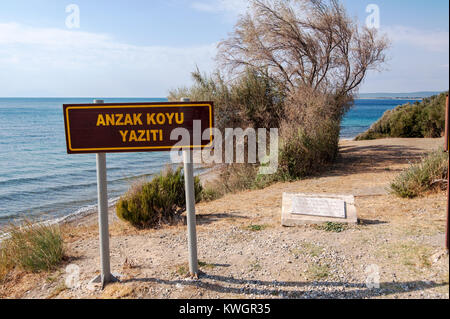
254,99
424,176
31,248
424,119
161,200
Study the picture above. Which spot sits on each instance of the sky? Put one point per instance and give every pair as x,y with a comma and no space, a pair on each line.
144,48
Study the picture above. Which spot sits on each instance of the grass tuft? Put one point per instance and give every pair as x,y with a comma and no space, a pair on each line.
318,271
211,193
183,269
332,227
255,266
31,247
427,175
256,227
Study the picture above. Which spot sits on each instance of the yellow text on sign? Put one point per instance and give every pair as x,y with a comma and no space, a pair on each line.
135,119
141,135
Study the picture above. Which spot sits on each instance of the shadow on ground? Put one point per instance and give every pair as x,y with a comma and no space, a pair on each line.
278,288
203,219
364,222
370,159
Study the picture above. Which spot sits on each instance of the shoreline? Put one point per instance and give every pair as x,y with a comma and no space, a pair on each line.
86,214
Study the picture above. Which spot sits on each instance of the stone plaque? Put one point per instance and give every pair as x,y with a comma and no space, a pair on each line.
301,208
327,207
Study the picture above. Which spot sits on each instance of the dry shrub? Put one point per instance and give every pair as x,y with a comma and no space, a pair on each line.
252,100
304,42
309,134
238,177
293,65
235,178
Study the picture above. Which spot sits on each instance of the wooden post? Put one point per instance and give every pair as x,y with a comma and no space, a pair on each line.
447,147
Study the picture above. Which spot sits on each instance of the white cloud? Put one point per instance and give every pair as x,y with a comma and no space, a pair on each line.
430,40
60,62
14,33
234,7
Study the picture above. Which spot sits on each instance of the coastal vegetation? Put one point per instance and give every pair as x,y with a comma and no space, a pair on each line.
162,200
430,174
293,66
31,247
289,65
420,119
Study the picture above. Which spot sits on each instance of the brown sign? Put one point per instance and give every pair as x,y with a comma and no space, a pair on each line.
136,127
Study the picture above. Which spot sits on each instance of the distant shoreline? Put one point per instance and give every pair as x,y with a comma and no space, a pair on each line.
419,95
391,98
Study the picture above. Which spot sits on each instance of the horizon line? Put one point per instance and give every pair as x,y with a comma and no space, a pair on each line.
148,97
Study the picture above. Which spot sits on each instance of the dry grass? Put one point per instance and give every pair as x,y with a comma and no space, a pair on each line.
31,247
309,249
407,253
318,271
255,265
312,249
118,291
182,269
57,291
427,175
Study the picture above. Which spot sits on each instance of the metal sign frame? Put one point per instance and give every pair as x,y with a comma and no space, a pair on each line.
106,276
75,128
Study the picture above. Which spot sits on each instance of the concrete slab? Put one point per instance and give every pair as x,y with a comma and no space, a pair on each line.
299,209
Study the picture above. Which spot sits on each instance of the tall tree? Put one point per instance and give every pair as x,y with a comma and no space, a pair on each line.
312,43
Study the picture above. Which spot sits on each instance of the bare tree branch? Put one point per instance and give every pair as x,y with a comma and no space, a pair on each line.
304,42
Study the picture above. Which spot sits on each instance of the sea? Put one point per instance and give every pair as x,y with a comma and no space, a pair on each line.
40,181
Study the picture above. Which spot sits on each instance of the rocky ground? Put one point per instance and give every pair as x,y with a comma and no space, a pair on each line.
244,252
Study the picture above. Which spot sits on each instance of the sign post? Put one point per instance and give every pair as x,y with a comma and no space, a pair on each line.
102,128
103,226
188,159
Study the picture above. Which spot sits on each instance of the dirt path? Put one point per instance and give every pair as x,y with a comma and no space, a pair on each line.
398,240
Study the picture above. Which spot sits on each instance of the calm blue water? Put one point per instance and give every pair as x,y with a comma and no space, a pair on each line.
39,179
365,113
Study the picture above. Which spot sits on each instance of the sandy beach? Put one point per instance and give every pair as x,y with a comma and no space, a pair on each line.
404,238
